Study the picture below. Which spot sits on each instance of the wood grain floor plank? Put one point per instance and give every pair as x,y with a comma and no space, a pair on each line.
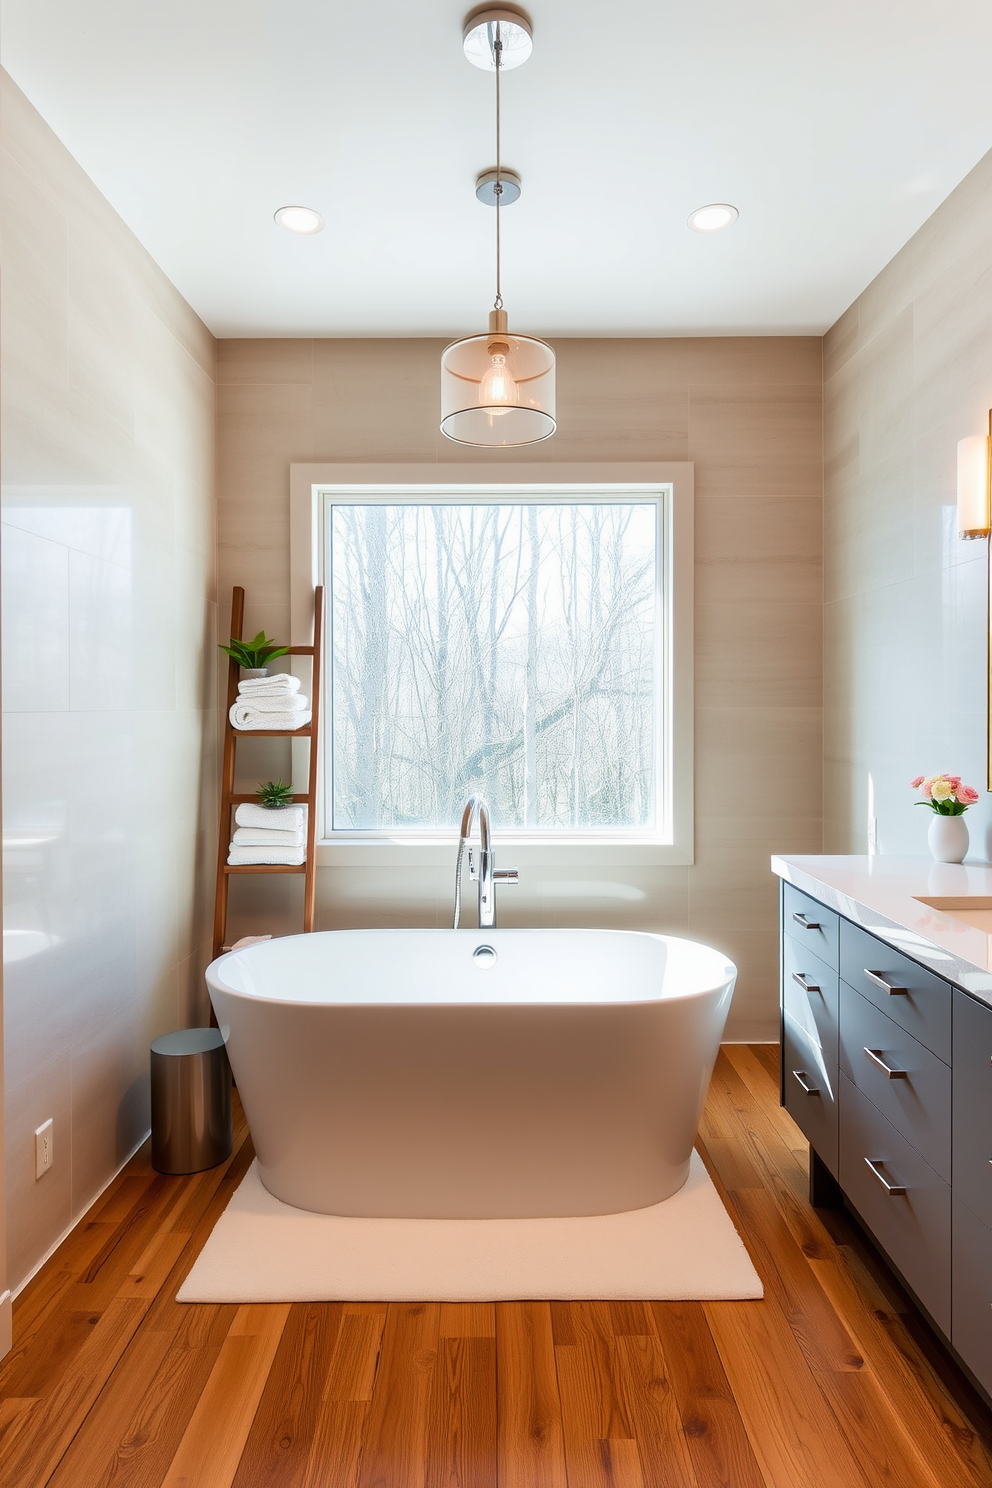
152,1268
462,1438
98,1455
627,1317
468,1320
394,1453
769,1056
793,1433
530,1447
132,1448
719,1446
36,1309
277,1451
594,1410
36,1440
211,1445
356,1356
955,1446
643,1376
336,1450
785,1273
166,1313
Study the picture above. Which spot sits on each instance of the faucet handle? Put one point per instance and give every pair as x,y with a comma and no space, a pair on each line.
506,875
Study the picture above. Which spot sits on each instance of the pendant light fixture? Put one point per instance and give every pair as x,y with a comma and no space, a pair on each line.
498,389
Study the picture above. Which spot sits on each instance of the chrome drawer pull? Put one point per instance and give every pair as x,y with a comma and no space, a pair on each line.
801,919
875,1055
804,982
890,1188
894,989
800,1076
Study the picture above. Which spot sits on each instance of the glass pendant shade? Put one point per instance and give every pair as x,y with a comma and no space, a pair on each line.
498,390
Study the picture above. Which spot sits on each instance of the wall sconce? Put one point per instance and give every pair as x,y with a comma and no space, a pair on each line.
973,484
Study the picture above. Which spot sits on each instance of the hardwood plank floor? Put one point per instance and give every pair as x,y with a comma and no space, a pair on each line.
832,1381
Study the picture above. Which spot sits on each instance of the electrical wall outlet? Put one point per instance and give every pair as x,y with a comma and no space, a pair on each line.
43,1149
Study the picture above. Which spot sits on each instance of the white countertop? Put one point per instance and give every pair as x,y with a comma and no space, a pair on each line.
883,894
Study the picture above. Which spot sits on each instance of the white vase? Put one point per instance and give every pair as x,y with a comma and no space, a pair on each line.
948,838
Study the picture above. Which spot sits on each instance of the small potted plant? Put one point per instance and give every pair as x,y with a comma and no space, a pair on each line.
948,799
254,656
275,793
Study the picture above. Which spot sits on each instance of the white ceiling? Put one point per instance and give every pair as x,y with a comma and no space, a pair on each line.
835,127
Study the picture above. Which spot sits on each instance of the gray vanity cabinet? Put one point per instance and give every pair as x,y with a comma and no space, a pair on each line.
908,994
908,1084
901,1199
815,926
973,1105
810,991
971,1293
901,1065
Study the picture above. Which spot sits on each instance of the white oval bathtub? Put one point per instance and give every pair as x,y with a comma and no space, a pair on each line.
398,1073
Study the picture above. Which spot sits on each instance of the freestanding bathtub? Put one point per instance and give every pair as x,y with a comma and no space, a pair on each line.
473,1073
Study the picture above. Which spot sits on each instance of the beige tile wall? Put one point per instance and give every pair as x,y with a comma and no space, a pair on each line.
908,372
109,708
748,412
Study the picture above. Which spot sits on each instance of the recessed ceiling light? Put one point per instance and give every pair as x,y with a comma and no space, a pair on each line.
299,219
713,218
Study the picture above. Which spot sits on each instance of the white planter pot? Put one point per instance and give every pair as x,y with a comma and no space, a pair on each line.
948,838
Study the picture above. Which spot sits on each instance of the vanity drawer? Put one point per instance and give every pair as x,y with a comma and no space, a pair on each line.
811,923
972,1157
809,995
971,1293
918,1001
917,1098
913,1227
810,1090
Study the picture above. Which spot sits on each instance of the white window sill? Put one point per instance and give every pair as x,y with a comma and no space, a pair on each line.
512,853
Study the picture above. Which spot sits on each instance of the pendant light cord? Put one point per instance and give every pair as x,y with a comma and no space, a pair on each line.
498,188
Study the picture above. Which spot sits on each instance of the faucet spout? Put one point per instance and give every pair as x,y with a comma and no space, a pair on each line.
485,872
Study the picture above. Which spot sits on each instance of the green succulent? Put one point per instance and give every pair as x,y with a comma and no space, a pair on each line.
256,653
275,793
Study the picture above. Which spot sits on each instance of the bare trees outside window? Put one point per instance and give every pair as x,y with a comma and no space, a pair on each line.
502,646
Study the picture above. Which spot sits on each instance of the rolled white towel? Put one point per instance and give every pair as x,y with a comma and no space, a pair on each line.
281,682
272,818
290,856
267,837
245,719
287,702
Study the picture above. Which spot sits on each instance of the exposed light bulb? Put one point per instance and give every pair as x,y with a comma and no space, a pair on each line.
498,386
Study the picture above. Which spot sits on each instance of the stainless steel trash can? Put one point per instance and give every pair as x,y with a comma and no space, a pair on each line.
191,1101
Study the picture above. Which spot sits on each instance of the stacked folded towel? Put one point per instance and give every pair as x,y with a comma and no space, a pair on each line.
270,703
264,835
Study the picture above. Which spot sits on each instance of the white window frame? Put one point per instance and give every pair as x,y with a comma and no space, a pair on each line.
308,485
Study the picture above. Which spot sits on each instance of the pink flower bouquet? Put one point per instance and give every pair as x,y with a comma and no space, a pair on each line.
944,794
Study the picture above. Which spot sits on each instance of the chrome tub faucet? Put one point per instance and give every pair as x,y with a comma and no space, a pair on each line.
485,872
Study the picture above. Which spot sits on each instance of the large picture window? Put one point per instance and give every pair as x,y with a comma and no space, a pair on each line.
508,647
516,641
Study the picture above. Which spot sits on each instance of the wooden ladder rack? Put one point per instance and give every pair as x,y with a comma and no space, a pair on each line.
229,799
